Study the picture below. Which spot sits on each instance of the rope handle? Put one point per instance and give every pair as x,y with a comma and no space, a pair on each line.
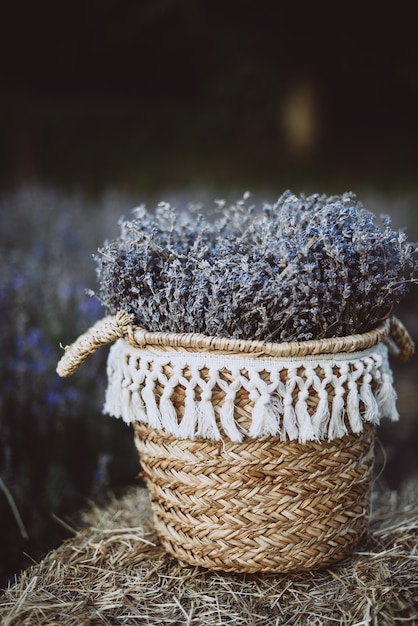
401,345
119,326
103,332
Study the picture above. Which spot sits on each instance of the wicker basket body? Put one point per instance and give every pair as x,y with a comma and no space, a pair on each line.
258,505
229,491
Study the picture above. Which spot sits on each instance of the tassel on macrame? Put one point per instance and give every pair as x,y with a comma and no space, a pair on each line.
168,409
289,428
187,427
386,397
337,427
206,418
166,406
353,408
371,408
321,417
346,390
265,418
227,410
303,418
227,418
155,419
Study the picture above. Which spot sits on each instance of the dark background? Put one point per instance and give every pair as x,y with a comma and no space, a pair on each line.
154,93
105,104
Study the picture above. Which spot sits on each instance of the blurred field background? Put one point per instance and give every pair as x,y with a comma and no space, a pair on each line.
106,105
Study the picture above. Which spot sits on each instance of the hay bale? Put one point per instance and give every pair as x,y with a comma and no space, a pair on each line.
114,571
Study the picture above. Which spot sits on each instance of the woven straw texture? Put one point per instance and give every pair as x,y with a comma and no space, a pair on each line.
269,506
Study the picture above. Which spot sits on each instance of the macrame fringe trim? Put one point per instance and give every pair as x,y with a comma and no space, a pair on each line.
361,383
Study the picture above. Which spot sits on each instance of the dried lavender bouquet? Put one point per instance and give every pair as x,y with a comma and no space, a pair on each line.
304,267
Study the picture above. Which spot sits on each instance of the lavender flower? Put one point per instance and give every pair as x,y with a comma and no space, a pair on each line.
301,268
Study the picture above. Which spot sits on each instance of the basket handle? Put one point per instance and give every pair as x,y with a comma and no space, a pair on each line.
401,345
103,332
114,327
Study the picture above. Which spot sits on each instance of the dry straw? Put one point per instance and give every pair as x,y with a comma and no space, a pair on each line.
115,571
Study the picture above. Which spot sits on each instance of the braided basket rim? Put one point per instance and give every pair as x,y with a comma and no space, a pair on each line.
141,338
120,326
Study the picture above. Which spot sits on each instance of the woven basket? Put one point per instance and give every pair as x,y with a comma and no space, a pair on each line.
258,456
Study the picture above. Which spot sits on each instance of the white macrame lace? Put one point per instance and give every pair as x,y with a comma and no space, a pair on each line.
350,389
